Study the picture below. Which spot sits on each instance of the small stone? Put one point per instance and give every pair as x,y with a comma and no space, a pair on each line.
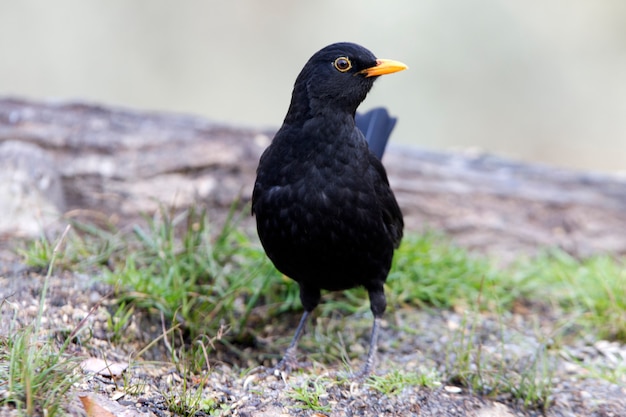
452,389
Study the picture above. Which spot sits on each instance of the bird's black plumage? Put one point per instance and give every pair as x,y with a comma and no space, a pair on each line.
325,213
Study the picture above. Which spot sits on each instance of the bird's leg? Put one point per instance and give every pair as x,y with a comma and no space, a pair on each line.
371,355
288,362
378,305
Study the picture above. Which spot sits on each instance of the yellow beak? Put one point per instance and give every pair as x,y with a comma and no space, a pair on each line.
384,66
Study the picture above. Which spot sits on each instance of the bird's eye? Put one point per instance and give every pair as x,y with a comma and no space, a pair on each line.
342,64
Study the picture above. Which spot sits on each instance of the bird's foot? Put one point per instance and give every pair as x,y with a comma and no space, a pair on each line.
280,371
363,373
287,364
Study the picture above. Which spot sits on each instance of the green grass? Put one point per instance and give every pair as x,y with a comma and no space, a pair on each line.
118,321
37,374
393,382
592,290
185,396
206,279
429,271
311,394
86,248
591,293
211,282
493,370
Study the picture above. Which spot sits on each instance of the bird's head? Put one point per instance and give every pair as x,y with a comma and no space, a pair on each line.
338,77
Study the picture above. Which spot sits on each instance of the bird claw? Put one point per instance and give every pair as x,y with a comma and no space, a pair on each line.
363,373
280,371
287,364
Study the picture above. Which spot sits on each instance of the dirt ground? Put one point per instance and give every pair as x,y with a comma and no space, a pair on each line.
81,301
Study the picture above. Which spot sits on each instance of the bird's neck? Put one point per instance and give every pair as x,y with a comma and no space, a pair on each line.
324,121
304,107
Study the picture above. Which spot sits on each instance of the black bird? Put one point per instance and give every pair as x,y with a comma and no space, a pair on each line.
325,213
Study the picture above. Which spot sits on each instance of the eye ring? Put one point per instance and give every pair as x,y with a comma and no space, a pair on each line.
342,64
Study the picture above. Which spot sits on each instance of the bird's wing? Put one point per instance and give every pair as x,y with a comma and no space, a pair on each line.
392,216
258,185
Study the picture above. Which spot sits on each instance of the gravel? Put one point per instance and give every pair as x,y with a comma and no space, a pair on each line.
413,341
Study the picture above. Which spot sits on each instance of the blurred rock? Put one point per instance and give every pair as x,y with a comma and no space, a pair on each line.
118,165
31,195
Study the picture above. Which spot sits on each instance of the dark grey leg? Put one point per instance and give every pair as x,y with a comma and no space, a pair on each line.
378,304
371,356
288,362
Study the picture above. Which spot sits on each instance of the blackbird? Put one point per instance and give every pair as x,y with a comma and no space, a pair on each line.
325,213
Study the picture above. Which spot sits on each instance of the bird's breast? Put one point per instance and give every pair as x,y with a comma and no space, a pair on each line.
318,211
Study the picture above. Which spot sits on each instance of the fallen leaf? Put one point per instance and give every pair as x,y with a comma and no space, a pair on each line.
98,406
92,408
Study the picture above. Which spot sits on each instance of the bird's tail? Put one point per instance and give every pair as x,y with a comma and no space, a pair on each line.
376,125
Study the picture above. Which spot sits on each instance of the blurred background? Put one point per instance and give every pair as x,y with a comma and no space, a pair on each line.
539,80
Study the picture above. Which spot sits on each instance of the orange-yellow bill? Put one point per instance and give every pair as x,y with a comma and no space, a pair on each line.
384,66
